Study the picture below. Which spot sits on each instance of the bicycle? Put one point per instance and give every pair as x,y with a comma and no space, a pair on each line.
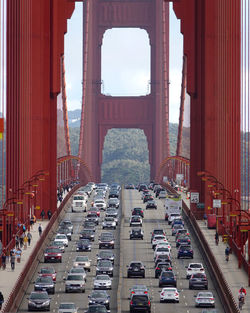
241,302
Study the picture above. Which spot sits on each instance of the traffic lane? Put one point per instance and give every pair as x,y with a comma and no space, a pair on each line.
81,300
186,296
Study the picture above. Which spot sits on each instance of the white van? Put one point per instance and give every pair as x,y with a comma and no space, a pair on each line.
79,203
173,204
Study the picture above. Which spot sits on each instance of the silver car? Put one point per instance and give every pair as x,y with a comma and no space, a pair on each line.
82,261
67,307
79,270
205,299
102,282
74,283
109,222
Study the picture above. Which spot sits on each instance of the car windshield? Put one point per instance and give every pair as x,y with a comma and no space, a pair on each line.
78,198
57,243
99,294
162,265
47,271
102,277
77,270
44,280
163,249
67,306
205,295
195,266
82,258
97,309
60,237
167,274
169,290
104,263
139,299
158,231
136,218
52,250
84,241
159,237
87,231
99,201
109,219
105,253
39,295
75,277
135,264
139,287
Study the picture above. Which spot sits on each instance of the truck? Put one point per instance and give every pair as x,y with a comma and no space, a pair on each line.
173,204
79,203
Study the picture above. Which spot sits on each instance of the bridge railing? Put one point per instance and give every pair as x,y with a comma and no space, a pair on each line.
223,289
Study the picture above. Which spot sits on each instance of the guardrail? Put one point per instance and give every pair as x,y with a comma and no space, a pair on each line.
18,292
224,291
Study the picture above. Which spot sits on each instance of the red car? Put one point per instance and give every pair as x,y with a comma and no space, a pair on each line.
52,254
48,272
94,210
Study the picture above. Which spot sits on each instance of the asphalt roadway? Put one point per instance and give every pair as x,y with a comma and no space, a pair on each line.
130,250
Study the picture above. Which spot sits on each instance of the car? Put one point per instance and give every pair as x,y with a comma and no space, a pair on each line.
78,270
198,280
87,234
193,268
60,245
95,210
92,217
173,216
144,193
151,204
47,272
75,282
162,266
162,258
113,203
209,311
96,308
185,252
181,232
83,245
162,250
176,227
129,186
68,224
89,225
99,297
138,211
162,243
167,278
169,294
162,194
100,204
106,255
135,220
52,254
67,307
158,190
82,261
183,240
138,288
148,197
103,282
157,239
106,240
114,194
142,187
109,222
136,233
66,231
178,221
140,302
112,212
62,238
45,284
105,267
136,269
157,231
205,299
39,301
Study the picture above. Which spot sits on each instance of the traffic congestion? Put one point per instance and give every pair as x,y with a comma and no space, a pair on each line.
122,250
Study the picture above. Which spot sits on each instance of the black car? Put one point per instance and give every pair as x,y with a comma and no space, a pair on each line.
67,223
158,190
97,308
136,233
185,252
151,204
138,211
106,241
129,186
183,240
83,245
136,269
167,278
39,301
104,267
45,284
87,234
142,187
66,231
140,302
162,266
99,297
114,194
162,258
106,255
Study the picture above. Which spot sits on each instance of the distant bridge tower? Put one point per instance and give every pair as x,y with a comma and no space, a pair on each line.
101,113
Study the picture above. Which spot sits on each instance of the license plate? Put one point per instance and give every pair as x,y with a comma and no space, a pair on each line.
53,258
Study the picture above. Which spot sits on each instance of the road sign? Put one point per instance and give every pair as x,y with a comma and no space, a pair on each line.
179,177
217,203
165,179
194,197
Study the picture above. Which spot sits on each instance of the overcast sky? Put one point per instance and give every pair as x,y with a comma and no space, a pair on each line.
119,77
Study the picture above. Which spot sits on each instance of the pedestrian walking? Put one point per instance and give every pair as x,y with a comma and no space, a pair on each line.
1,300
17,241
18,255
29,236
42,214
49,214
3,261
1,247
24,228
40,230
21,241
32,221
12,260
25,242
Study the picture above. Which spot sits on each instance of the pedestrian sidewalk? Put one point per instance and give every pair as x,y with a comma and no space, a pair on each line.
9,277
235,277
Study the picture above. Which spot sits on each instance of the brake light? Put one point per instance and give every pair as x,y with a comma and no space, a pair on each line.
162,293
211,299
132,292
145,292
157,268
176,294
148,302
131,302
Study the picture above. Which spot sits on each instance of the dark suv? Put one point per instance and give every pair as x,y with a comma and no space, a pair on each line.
138,211
167,278
136,269
106,241
99,297
140,302
136,233
162,266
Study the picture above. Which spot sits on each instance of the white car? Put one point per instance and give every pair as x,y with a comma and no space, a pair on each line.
161,251
109,222
102,282
194,268
74,282
157,239
173,216
205,299
169,294
164,244
162,194
82,261
135,220
100,204
62,239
